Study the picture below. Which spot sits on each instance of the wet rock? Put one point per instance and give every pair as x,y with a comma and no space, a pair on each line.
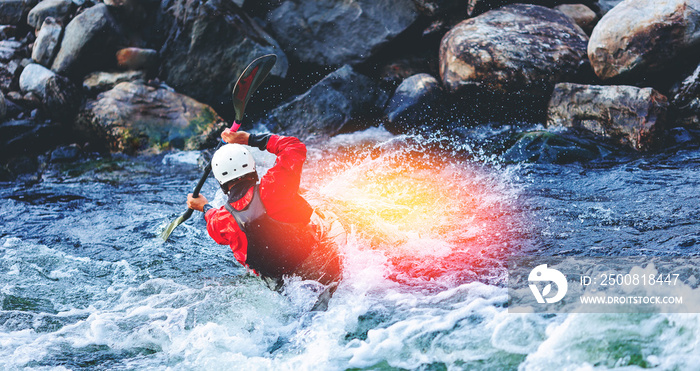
89,43
47,41
59,10
137,59
685,101
28,138
12,11
7,31
58,95
631,116
134,116
639,37
206,67
330,32
518,49
415,101
342,101
98,82
545,147
68,153
582,15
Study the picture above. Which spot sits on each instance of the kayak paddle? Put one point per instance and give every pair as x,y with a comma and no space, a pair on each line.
251,78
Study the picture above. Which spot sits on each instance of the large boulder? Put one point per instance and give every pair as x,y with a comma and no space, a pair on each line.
342,101
134,116
518,49
59,10
631,116
47,41
639,37
89,43
331,32
13,11
685,101
209,45
59,96
97,82
415,102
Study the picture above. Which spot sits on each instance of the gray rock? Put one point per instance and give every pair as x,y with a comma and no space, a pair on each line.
98,82
59,10
134,116
89,42
582,15
631,116
517,49
544,147
47,41
137,59
607,5
9,73
331,32
414,101
685,101
12,11
58,95
639,37
209,45
68,153
340,102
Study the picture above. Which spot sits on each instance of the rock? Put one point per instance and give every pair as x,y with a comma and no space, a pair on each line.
415,101
544,147
9,74
11,49
137,59
209,45
3,106
639,37
338,103
89,42
685,101
98,82
59,10
47,41
7,31
607,5
12,11
331,32
432,8
28,137
68,153
634,117
582,15
518,49
58,95
134,116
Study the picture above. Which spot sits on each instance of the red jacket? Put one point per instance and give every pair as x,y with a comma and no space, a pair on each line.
279,193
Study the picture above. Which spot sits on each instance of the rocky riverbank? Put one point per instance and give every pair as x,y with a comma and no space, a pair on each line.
80,77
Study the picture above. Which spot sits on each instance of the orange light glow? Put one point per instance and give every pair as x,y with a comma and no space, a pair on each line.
431,215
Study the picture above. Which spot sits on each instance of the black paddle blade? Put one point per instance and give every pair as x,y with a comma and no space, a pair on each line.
249,81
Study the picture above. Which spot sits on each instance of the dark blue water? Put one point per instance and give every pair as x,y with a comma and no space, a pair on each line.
85,282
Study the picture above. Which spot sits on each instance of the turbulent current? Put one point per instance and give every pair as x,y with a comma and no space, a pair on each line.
85,281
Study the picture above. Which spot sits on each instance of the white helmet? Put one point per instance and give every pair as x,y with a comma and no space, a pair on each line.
232,161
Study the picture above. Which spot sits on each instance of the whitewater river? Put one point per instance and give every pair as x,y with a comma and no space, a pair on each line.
85,281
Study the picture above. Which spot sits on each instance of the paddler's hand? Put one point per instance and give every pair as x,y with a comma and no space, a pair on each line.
196,203
238,137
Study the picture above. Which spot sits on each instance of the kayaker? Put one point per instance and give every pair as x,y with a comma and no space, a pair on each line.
270,227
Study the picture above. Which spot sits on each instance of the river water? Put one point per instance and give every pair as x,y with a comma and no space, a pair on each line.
85,281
